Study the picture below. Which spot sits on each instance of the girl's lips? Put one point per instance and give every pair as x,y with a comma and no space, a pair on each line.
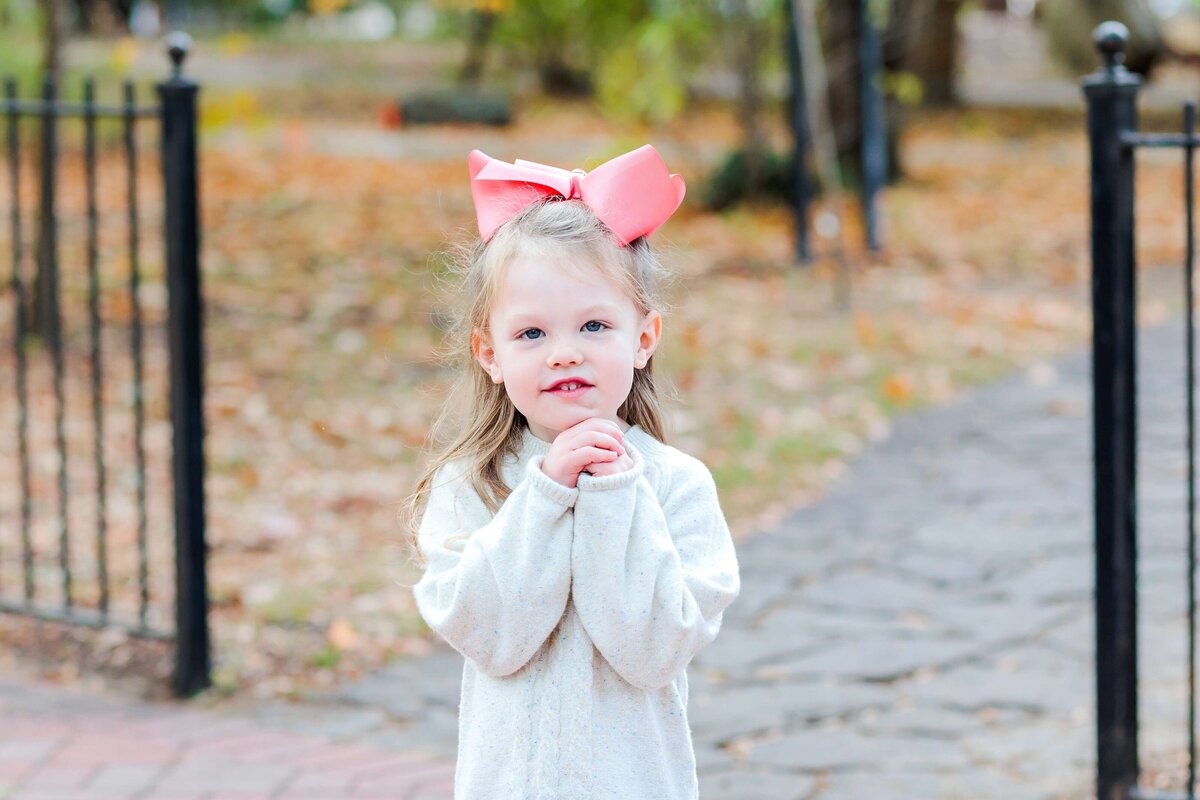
560,392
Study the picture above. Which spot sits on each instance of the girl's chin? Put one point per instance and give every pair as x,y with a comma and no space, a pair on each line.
562,423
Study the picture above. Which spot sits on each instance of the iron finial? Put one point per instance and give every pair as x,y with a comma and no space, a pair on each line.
179,44
1110,39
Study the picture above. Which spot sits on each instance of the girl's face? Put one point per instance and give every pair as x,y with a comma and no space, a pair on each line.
548,325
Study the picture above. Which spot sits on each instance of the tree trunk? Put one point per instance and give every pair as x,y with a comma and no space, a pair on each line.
103,17
122,9
52,19
933,58
916,29
481,25
749,36
842,72
560,79
85,16
920,37
551,44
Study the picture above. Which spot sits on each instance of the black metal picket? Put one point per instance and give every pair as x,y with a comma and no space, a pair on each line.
1111,95
176,113
873,151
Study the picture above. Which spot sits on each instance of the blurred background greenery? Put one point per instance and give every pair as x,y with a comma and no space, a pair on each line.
640,61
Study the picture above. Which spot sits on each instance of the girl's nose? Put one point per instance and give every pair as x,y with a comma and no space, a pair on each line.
564,357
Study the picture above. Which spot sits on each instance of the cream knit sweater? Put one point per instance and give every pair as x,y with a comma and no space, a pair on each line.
578,611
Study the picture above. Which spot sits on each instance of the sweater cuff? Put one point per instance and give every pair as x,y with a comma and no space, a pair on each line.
595,483
563,495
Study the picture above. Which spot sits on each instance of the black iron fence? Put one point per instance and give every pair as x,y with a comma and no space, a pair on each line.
1112,121
37,320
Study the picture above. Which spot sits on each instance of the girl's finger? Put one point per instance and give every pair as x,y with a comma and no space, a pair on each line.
609,468
597,439
586,455
600,425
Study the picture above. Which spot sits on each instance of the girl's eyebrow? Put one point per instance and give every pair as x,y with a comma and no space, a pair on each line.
603,308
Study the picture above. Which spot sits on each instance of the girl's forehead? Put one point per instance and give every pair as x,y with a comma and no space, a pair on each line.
553,275
545,287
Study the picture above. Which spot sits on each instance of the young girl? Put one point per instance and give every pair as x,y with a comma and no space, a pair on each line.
576,560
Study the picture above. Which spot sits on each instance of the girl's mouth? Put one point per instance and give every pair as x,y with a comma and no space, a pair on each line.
568,390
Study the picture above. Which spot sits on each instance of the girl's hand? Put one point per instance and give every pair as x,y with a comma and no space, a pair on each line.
625,462
584,445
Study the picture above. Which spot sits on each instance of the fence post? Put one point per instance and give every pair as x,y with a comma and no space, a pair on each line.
1111,94
181,194
801,139
873,152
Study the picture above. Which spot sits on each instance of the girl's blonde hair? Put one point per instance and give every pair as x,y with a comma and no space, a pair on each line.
493,427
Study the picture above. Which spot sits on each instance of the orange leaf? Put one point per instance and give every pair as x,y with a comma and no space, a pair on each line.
248,476
864,326
331,437
342,635
897,388
1025,318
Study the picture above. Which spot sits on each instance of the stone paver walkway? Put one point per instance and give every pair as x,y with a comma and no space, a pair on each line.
925,631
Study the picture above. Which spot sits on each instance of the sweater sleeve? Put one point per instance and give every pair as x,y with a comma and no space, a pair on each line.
651,581
496,598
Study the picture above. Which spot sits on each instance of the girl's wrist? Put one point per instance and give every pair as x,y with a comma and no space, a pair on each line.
548,485
562,480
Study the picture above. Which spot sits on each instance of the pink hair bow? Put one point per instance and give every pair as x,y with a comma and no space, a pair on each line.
633,194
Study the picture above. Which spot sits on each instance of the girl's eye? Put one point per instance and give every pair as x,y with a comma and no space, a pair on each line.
587,326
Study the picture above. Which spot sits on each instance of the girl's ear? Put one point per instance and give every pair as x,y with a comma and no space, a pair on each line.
649,338
485,354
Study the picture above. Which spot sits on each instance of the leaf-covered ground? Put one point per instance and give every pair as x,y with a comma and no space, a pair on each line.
320,272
